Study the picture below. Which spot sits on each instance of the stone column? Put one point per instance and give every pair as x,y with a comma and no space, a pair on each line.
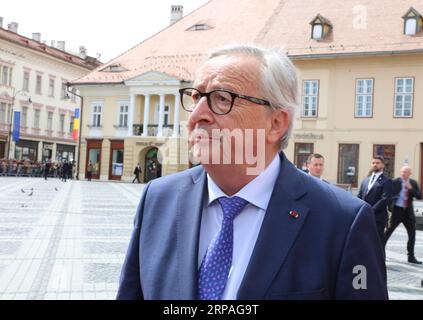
146,115
161,115
176,116
131,111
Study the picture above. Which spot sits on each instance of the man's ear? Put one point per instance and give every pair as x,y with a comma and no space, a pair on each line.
279,124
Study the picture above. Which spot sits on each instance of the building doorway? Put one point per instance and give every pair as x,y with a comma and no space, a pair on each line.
94,155
153,168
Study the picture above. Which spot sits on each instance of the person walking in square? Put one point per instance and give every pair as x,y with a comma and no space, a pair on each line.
137,172
404,190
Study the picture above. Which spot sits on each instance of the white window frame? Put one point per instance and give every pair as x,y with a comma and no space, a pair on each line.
410,30
24,117
5,76
62,122
51,87
50,120
96,114
63,90
308,98
402,94
364,98
315,35
39,88
3,113
123,114
25,83
71,124
166,111
37,115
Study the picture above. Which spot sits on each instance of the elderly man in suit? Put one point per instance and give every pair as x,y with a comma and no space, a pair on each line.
376,190
239,227
404,190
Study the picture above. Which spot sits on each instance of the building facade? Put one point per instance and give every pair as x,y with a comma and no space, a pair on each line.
361,86
33,79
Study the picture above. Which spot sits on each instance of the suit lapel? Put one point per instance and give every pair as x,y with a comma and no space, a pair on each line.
190,205
278,233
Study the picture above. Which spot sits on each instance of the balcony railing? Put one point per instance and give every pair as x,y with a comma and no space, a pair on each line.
152,130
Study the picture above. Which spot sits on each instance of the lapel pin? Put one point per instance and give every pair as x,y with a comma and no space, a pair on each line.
294,214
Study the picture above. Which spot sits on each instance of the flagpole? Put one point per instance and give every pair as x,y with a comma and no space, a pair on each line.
80,128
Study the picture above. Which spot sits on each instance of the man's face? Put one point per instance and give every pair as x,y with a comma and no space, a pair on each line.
237,74
405,173
377,165
316,166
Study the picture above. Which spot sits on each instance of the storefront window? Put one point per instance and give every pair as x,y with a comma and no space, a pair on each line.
117,162
25,149
302,151
388,152
348,164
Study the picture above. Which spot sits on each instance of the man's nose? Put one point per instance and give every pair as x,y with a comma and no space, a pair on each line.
201,112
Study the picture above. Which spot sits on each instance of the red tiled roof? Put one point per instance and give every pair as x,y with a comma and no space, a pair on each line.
359,27
89,63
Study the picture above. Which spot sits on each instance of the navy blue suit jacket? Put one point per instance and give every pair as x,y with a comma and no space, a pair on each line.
378,197
312,257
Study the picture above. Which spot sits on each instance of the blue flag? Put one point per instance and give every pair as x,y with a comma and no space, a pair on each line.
16,125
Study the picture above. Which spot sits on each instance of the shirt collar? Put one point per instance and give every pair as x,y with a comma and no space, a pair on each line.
377,174
257,192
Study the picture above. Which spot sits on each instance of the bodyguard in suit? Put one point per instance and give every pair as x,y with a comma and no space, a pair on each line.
243,229
376,190
316,166
405,190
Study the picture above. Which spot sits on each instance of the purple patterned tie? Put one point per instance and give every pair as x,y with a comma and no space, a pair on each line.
216,264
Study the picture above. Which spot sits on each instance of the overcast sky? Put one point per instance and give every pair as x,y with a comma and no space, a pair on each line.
102,26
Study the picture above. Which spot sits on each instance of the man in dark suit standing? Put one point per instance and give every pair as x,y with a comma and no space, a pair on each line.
376,190
404,190
137,172
232,228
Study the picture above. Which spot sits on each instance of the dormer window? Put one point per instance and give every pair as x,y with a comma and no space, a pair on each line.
320,27
413,22
114,68
199,27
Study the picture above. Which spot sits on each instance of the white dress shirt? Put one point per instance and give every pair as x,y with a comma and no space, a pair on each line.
246,225
373,181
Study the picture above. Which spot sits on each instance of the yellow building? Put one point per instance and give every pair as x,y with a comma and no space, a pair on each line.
33,77
361,83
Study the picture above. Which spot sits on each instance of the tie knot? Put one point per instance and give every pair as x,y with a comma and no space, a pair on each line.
232,206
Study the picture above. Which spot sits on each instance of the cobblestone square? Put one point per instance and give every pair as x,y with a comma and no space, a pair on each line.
61,241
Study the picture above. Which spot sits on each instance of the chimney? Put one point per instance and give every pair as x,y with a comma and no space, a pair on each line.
36,36
13,27
82,52
1,22
53,43
176,13
61,45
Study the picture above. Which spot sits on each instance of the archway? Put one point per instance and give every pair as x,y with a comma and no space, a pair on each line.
152,167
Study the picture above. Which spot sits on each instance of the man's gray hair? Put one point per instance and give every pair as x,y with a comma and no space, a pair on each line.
279,83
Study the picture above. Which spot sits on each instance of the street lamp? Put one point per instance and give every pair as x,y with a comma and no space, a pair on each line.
80,126
9,140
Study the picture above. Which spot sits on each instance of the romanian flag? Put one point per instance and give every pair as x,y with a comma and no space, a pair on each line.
75,131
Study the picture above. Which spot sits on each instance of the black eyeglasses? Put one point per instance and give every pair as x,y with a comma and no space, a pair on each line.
220,101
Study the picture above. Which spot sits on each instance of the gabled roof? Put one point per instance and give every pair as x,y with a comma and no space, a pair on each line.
373,28
89,63
411,10
319,18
